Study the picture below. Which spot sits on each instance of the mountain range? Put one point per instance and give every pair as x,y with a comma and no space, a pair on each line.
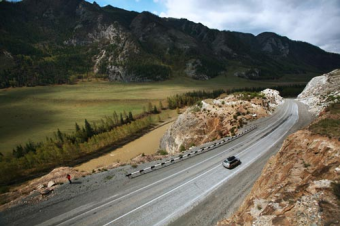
57,41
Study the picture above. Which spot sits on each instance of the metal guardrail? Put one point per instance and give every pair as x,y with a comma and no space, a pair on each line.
181,157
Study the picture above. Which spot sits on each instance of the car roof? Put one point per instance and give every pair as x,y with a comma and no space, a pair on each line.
230,158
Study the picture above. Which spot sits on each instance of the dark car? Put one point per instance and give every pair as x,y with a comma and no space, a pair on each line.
231,162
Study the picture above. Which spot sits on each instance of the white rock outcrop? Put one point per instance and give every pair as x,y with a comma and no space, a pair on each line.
321,91
214,119
273,96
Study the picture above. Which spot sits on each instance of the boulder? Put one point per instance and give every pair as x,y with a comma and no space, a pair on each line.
50,184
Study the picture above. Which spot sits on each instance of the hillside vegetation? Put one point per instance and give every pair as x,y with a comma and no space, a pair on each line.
56,42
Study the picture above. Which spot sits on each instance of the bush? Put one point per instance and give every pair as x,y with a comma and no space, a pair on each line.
4,189
336,189
181,148
162,152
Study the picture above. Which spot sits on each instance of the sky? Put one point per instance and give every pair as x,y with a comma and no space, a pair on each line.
313,21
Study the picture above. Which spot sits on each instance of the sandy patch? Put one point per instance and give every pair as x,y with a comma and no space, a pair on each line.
147,144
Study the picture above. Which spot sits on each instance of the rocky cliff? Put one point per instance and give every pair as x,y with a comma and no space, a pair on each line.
321,91
214,119
48,41
300,185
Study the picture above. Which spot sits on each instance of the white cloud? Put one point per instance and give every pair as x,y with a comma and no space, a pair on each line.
314,21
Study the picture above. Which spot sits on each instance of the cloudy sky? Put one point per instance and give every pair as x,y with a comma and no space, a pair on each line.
313,21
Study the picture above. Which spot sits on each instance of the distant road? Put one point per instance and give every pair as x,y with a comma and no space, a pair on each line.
196,191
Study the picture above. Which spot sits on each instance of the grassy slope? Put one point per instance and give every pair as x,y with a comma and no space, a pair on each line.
329,126
34,113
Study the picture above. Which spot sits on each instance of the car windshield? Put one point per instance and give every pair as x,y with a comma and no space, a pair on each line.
231,158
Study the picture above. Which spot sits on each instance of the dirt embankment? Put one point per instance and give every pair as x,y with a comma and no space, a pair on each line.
39,189
300,184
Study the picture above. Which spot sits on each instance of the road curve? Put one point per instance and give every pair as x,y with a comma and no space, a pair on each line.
186,193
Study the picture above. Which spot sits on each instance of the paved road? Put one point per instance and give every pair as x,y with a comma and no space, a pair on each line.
196,191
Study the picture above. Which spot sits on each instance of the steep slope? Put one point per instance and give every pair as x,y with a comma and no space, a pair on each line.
321,91
45,42
214,119
300,185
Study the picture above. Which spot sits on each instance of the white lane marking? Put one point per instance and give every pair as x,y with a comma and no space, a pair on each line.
190,205
161,196
155,199
131,193
68,214
166,178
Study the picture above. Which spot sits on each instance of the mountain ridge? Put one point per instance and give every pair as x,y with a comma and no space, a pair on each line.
49,41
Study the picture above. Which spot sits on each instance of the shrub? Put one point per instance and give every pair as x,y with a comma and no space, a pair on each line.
162,152
336,189
4,189
108,177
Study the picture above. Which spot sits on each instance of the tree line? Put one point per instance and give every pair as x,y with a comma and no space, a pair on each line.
64,148
190,98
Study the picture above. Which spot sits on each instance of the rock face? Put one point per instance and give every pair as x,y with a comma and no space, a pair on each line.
130,46
214,119
295,185
321,91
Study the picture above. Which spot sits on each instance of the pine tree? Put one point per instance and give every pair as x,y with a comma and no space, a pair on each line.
77,128
115,118
60,135
155,111
18,152
121,119
88,129
160,105
130,116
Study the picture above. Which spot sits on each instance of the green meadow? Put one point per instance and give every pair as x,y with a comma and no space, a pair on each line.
33,113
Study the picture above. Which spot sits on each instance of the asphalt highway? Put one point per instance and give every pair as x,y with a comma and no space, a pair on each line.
195,191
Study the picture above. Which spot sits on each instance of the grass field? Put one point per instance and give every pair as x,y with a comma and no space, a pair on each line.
32,113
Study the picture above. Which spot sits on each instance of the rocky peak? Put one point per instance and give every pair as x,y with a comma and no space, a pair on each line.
273,44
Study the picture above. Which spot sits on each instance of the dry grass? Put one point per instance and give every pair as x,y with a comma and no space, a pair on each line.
329,126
